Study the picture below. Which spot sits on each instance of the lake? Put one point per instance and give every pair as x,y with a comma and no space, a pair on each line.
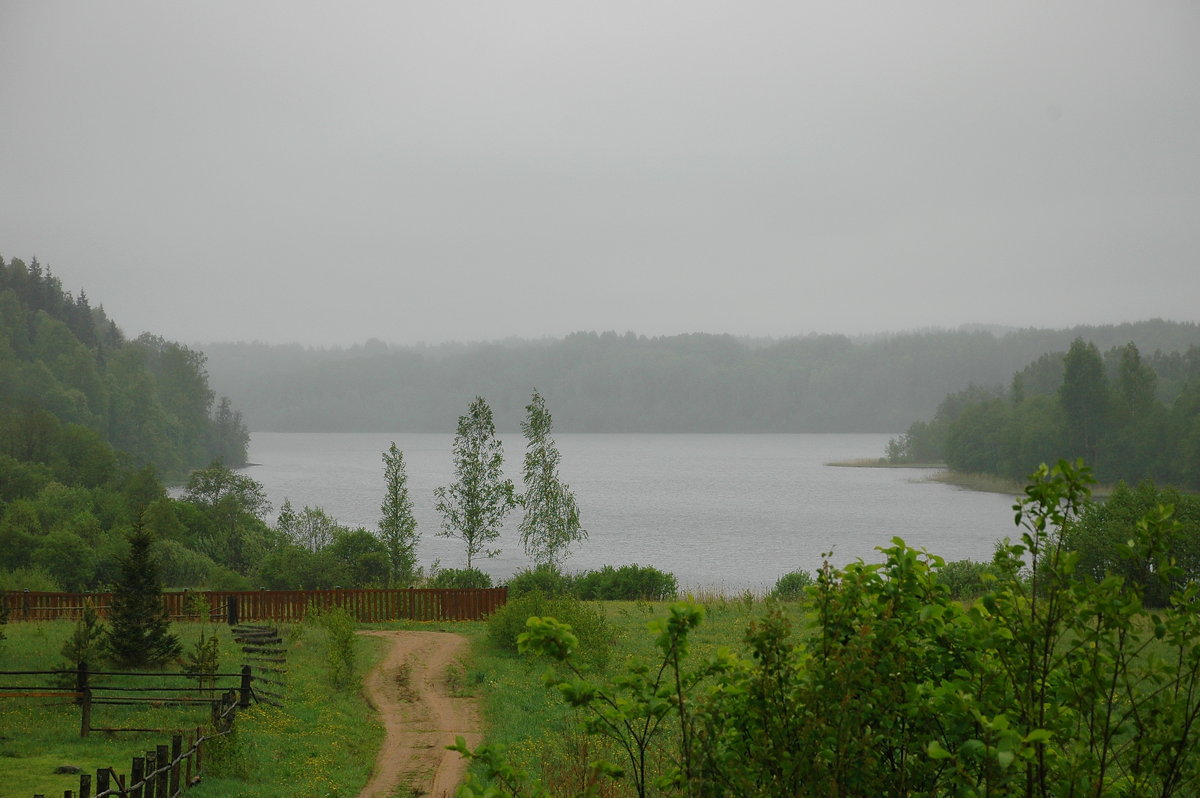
722,512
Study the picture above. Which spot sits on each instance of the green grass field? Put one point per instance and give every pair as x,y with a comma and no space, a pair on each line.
322,743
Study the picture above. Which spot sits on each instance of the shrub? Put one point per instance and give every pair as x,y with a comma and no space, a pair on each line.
593,631
35,579
791,586
544,579
965,578
463,578
626,583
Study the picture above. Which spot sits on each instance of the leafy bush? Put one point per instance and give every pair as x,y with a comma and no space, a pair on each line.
626,583
965,578
791,586
595,635
544,579
36,580
462,578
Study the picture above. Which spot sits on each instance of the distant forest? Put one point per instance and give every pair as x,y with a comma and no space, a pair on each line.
1129,417
72,387
610,382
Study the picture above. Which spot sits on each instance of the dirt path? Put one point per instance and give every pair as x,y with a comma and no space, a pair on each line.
414,697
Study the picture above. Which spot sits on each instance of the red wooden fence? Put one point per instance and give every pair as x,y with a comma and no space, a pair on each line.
281,605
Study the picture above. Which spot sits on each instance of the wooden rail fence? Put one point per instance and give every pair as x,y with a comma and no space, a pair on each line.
165,771
366,606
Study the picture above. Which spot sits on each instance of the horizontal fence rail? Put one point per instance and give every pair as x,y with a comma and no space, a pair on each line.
365,606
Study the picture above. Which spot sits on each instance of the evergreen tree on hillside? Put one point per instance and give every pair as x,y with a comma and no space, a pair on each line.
139,634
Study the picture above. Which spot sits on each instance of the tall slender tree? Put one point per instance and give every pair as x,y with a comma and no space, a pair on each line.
474,506
397,525
551,521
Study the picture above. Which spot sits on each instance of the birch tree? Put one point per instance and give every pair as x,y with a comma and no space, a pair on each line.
551,522
397,525
474,506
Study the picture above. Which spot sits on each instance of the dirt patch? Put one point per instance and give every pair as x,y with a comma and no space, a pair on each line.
422,714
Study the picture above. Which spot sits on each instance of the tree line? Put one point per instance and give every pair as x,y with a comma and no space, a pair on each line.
1130,417
609,382
74,391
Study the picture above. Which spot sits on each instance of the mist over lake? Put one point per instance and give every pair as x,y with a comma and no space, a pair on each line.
721,512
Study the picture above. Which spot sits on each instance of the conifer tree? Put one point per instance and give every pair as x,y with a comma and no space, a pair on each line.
140,634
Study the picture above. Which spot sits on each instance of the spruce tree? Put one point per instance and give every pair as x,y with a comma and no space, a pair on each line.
139,634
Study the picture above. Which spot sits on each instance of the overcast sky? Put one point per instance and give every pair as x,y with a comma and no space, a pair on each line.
330,172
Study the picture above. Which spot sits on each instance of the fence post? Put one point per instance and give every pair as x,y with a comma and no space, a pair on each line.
101,781
176,750
85,785
231,610
244,697
151,764
85,698
137,772
164,772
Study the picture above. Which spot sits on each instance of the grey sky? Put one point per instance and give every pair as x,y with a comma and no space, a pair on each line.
328,172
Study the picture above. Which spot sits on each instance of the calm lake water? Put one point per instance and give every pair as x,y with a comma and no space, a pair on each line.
721,512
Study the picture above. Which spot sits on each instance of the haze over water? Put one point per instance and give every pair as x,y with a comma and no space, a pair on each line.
721,512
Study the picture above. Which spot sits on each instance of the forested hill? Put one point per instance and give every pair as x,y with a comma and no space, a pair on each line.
71,384
628,383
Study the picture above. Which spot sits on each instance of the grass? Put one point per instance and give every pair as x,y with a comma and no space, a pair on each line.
323,743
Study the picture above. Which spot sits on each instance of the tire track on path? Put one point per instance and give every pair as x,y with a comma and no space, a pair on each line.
411,692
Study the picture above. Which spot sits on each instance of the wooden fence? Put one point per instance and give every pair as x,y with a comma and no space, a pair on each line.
365,606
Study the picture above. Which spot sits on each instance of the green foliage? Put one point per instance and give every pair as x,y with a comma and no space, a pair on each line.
551,521
397,524
86,645
204,659
475,504
139,634
1108,409
1046,686
626,583
460,578
966,579
32,579
338,627
1103,531
227,524
544,579
792,585
593,634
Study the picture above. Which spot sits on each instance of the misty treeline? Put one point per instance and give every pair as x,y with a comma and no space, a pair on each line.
72,387
90,423
628,383
1131,417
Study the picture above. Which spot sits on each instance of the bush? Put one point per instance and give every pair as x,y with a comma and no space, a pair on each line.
791,586
544,579
627,583
463,578
36,580
594,633
965,578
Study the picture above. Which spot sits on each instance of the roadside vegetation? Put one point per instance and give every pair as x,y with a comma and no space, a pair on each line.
1062,676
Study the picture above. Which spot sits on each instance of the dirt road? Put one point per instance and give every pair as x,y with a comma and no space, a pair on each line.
413,692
